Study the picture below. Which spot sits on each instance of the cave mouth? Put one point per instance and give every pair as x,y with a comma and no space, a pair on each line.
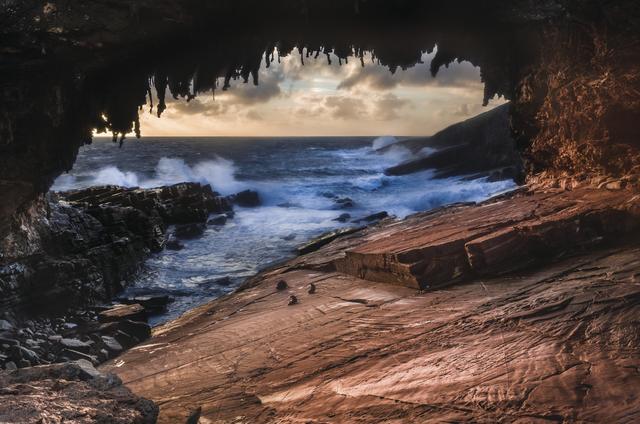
327,144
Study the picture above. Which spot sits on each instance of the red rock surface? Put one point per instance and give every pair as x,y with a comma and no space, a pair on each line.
554,342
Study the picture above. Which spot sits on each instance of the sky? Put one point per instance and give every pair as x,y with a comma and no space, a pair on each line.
317,99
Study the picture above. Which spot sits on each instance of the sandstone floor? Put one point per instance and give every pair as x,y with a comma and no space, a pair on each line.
521,309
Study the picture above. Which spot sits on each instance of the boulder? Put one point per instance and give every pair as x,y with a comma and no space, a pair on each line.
189,231
137,329
174,244
153,304
217,220
18,353
344,202
112,344
6,325
123,312
343,217
371,218
75,344
246,199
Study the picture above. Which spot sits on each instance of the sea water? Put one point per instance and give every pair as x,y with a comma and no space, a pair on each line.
298,180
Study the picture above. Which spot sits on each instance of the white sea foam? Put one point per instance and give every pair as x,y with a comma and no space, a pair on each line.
383,141
220,173
111,175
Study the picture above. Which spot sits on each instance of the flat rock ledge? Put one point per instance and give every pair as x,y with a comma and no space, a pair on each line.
534,320
70,393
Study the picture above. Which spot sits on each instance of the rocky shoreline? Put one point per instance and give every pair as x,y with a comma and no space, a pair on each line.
59,303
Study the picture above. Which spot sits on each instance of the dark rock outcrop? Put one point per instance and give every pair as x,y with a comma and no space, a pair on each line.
480,146
85,247
246,199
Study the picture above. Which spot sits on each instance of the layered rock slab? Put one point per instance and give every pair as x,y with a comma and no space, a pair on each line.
556,342
496,237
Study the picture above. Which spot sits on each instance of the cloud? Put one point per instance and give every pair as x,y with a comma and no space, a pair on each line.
345,107
254,115
386,108
197,106
249,94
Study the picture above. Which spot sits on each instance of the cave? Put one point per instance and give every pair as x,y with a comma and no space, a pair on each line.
555,259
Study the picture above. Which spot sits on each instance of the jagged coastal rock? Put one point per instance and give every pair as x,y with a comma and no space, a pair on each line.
86,244
480,146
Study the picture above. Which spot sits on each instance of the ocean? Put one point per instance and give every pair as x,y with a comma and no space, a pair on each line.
298,179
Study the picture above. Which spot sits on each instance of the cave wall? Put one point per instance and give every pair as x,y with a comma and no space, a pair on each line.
577,110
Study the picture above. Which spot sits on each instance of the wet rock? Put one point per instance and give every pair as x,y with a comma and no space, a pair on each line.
293,300
288,205
189,231
10,366
96,238
137,329
312,288
6,325
112,344
343,217
123,312
344,203
325,238
479,145
152,304
247,199
371,218
289,237
218,220
174,244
